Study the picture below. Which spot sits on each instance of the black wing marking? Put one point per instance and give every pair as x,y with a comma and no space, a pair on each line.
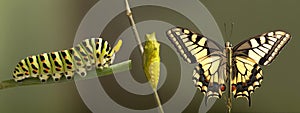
247,77
263,48
192,46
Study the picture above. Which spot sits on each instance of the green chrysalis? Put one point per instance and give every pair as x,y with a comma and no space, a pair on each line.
151,60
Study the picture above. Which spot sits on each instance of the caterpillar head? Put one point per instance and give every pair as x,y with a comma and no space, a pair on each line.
109,56
115,49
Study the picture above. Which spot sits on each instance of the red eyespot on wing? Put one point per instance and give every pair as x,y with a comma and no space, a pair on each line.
223,87
233,87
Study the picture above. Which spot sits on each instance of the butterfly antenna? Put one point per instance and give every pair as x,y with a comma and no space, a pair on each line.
226,35
231,30
232,24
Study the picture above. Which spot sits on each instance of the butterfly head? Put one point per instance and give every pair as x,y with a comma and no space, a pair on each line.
228,44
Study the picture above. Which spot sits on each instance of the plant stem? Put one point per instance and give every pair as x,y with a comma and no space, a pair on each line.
123,66
136,33
158,100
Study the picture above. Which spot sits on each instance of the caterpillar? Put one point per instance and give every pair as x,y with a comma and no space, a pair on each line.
89,53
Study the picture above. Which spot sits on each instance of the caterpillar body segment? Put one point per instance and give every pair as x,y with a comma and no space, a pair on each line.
21,71
84,56
57,65
34,66
79,63
87,46
46,67
89,54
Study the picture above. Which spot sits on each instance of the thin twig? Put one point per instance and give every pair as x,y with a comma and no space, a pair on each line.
158,101
123,66
137,36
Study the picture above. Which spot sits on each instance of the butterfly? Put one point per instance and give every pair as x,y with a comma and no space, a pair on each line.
235,67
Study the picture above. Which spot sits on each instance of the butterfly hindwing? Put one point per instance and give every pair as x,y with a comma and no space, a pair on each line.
263,48
209,76
247,77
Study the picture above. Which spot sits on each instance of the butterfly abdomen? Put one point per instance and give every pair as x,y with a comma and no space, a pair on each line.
94,52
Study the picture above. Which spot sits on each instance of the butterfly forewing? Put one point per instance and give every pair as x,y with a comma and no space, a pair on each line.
190,45
263,48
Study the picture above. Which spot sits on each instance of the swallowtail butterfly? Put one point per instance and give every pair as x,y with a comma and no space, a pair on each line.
236,67
94,52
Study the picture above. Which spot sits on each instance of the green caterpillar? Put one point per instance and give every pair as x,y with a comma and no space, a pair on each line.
94,52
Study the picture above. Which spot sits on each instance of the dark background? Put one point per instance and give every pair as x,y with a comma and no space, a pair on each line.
35,26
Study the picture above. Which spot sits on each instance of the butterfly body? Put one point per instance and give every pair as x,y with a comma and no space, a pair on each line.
228,48
236,67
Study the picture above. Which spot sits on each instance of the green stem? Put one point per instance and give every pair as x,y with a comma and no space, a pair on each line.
120,67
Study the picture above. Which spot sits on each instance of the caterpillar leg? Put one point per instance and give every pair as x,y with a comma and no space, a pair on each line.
89,67
44,77
81,71
105,65
69,74
57,76
101,66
